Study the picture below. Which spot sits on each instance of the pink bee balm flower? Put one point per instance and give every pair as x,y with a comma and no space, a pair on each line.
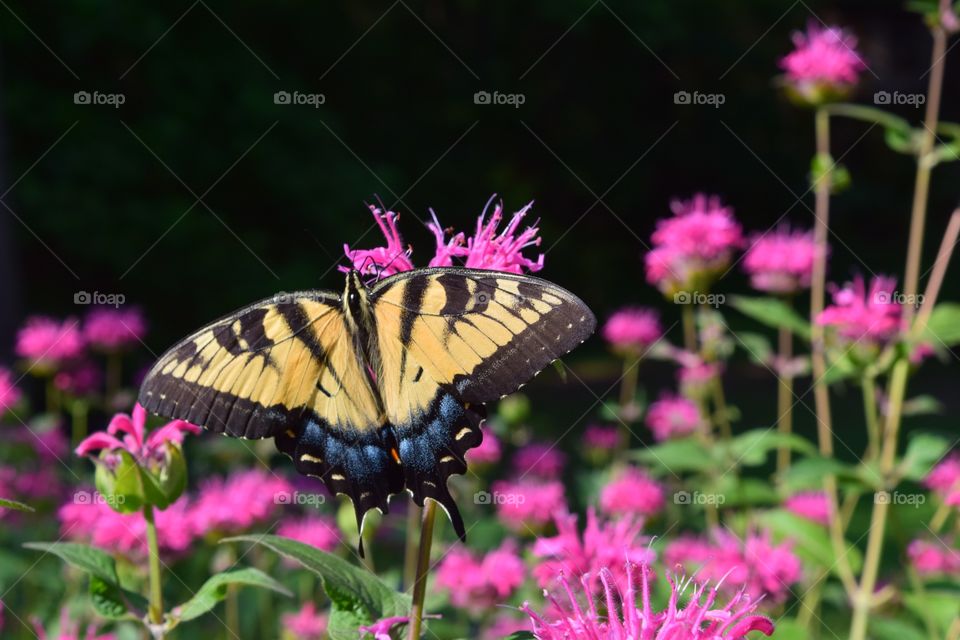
782,261
672,417
599,437
692,246
633,329
812,505
632,492
79,378
9,393
235,503
824,63
859,314
622,618
89,518
945,480
306,624
111,329
128,433
489,450
933,558
527,503
604,545
487,249
540,459
755,564
481,584
47,342
317,531
384,261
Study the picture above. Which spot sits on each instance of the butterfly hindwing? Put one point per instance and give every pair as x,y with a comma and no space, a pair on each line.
451,339
286,368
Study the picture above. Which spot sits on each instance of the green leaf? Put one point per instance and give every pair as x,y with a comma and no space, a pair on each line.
13,504
888,628
791,630
739,492
673,456
942,606
750,449
757,346
808,473
922,405
811,540
359,597
215,589
113,602
943,328
923,451
84,557
521,635
772,312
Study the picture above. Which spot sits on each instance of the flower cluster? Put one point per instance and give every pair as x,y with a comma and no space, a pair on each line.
481,584
824,64
781,261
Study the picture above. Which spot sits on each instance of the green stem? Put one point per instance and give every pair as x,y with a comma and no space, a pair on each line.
818,286
720,408
114,372
232,604
79,412
811,602
784,398
414,515
868,384
153,550
921,192
52,396
628,396
423,569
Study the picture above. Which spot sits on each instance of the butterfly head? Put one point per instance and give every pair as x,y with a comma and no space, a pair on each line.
355,304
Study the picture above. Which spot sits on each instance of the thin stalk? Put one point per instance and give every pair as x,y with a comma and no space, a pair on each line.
868,384
153,550
863,601
79,412
114,372
414,515
720,407
232,605
628,398
784,398
818,286
921,192
423,568
811,602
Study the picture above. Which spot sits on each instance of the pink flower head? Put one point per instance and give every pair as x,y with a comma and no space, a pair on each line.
111,329
489,450
29,483
824,60
237,502
316,530
384,261
381,628
672,417
481,584
128,433
527,503
623,619
859,314
487,249
933,558
89,518
9,393
79,378
945,480
812,505
632,492
601,438
781,261
539,459
603,545
305,624
47,342
692,246
755,564
633,329
697,377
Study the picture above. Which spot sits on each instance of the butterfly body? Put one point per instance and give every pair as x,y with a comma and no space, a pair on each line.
376,390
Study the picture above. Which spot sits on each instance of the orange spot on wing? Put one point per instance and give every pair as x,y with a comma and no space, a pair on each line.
396,455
